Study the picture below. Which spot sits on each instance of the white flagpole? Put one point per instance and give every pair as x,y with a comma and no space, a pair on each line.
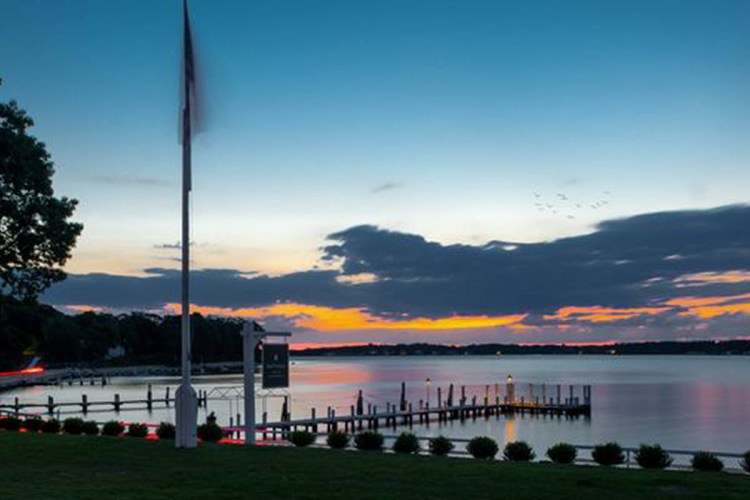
186,404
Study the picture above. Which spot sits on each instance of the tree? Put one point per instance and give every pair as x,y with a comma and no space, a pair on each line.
36,237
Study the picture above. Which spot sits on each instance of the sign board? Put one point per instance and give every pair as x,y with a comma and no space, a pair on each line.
275,366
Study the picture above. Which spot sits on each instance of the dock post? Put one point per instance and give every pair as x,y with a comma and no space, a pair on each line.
149,398
50,405
264,421
85,403
440,397
571,394
463,395
166,397
559,390
117,402
544,394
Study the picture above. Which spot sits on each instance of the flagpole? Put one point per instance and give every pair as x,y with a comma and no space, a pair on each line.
186,406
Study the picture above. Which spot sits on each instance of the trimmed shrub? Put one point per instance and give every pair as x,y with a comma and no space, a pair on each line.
301,438
51,426
137,430
518,451
210,432
73,425
166,431
368,440
482,447
652,457
337,440
33,424
113,428
745,462
91,428
608,454
562,453
406,442
440,446
706,461
10,423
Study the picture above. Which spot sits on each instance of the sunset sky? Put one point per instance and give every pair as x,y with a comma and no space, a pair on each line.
401,171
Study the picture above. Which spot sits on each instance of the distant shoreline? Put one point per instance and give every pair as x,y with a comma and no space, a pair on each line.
697,348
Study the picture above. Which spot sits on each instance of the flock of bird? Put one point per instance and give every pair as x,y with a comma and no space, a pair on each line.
564,205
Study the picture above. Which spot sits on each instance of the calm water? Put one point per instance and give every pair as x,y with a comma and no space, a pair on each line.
682,402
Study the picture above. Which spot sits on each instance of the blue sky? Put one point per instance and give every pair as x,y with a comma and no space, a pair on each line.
437,118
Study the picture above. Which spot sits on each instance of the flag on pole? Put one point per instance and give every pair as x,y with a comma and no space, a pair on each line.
189,109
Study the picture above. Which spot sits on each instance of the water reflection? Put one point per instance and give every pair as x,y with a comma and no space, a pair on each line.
680,402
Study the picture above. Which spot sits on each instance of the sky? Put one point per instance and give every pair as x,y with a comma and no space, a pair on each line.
401,171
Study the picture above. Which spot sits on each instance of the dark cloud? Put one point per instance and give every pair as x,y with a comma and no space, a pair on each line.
388,186
630,262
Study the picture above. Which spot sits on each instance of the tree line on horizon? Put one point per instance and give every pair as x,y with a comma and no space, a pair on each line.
90,338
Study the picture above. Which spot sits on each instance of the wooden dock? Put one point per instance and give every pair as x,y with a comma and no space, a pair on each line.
116,403
577,404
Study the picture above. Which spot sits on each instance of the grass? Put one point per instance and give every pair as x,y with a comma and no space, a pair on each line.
48,466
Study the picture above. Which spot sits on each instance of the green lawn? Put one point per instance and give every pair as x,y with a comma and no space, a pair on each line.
52,467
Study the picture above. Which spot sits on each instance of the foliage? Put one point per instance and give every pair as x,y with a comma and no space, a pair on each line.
210,432
36,237
406,442
88,337
518,451
113,428
10,423
368,440
608,454
337,440
51,426
301,438
90,428
33,424
138,430
73,425
440,446
745,462
482,447
166,431
562,453
706,461
652,457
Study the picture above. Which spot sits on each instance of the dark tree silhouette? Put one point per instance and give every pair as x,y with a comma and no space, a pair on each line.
36,237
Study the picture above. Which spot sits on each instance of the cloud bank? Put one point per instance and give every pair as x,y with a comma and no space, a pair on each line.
676,274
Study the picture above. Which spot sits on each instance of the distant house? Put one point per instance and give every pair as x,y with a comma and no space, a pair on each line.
115,352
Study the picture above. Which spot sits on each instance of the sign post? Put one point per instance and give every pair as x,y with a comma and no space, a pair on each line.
252,334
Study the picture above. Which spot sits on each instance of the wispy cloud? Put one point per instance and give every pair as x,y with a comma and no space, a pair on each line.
129,180
387,186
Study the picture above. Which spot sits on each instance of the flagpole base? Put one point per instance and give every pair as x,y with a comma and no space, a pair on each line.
186,406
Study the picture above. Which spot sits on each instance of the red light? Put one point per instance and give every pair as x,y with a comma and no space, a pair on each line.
26,371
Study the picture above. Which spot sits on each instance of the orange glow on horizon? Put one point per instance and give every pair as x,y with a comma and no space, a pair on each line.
328,319
598,314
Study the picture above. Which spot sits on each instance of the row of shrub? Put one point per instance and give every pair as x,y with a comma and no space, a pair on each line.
77,426
209,431
607,454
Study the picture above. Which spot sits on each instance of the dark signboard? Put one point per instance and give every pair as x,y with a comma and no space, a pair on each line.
275,366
